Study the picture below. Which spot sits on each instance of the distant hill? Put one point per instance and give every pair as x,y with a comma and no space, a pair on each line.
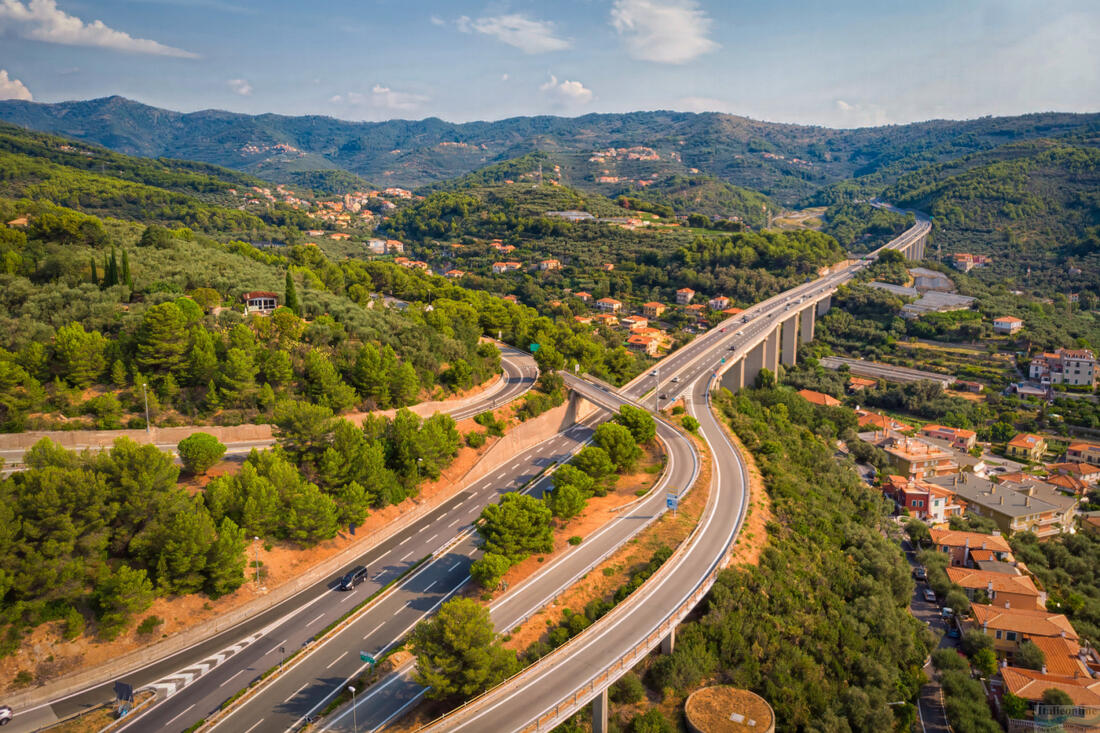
789,163
1033,204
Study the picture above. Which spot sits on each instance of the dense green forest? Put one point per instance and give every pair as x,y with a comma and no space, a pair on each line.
861,227
705,195
1031,205
821,627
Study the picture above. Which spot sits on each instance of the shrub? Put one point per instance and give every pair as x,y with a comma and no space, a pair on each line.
200,451
74,624
949,659
575,540
628,690
652,721
474,439
149,624
488,570
690,423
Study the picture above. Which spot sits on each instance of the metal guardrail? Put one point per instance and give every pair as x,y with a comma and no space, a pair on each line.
596,683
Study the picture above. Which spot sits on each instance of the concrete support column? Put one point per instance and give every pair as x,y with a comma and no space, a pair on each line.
790,340
669,642
771,355
733,378
599,712
808,318
824,304
754,362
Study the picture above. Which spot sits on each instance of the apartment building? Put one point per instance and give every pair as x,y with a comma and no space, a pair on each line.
1073,367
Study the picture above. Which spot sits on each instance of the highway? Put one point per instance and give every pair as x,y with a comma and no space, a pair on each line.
555,687
212,669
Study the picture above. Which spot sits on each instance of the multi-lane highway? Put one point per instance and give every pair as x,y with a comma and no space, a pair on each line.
201,676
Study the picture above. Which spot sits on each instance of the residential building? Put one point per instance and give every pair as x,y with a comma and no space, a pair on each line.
1026,446
606,319
549,265
510,298
260,301
874,421
583,319
732,311
1014,507
961,546
966,262
376,246
696,309
585,297
858,384
645,344
684,296
1007,324
1084,453
1068,484
959,439
609,304
1085,472
454,274
819,398
1028,684
634,322
920,499
1007,590
718,302
394,247
607,267
1074,367
653,309
914,458
1009,627
341,236
925,279
500,267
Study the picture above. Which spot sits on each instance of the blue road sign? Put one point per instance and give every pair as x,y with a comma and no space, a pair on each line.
672,501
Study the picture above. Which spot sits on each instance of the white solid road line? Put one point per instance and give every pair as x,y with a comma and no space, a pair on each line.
430,586
376,628
404,540
407,556
318,618
334,661
255,726
433,537
459,562
295,692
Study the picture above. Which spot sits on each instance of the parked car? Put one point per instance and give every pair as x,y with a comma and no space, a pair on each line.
929,595
946,612
354,577
5,715
953,632
920,573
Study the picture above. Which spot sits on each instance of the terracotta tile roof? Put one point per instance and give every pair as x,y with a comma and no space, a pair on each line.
1026,441
1029,621
1074,468
1060,655
953,538
1030,685
880,422
818,398
862,382
1001,582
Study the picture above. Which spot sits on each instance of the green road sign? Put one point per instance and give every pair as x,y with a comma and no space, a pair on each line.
533,348
366,657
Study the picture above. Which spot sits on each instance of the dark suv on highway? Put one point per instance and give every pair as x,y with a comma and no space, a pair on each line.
356,576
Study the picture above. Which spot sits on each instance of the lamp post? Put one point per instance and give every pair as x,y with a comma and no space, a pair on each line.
418,462
354,719
656,388
145,394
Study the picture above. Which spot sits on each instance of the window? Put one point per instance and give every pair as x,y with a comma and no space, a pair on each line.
998,634
1010,635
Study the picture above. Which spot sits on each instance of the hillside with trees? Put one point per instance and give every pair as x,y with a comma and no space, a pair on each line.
786,162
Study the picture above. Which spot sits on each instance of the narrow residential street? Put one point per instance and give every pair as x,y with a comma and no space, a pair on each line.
931,718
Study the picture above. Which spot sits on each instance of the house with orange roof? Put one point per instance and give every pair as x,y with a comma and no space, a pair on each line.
401,260
1026,446
607,267
609,304
858,384
1007,590
874,421
1007,324
510,298
818,398
918,459
959,438
501,267
1061,656
454,274
607,319
921,499
585,297
339,236
393,246
634,322
1085,472
1030,685
718,302
1084,453
653,309
960,546
1068,484
549,265
732,311
583,319
644,344
1010,627
684,296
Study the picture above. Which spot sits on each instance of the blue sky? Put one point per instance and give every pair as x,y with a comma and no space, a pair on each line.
828,62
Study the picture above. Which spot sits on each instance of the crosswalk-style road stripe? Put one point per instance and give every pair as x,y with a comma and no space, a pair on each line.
176,681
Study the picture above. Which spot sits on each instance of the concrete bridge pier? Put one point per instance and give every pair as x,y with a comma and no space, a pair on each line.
790,340
754,362
771,360
824,304
808,318
733,378
599,712
669,642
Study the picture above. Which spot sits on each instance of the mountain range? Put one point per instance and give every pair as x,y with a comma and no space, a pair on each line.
611,153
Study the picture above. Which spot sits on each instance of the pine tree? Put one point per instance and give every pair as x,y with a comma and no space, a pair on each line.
225,562
118,374
237,378
291,298
212,402
202,361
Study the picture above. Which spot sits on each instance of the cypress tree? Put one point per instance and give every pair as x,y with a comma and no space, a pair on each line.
126,279
95,276
291,298
111,278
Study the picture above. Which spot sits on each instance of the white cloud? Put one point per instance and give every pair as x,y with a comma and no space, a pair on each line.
526,34
570,92
240,86
705,104
861,115
42,20
669,32
504,76
436,20
382,99
13,88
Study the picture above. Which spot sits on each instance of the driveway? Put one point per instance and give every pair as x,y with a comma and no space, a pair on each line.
931,717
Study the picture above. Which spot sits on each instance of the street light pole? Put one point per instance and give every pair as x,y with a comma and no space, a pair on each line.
256,561
657,387
145,394
354,719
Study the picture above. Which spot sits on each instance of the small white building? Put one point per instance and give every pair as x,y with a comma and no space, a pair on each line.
260,301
